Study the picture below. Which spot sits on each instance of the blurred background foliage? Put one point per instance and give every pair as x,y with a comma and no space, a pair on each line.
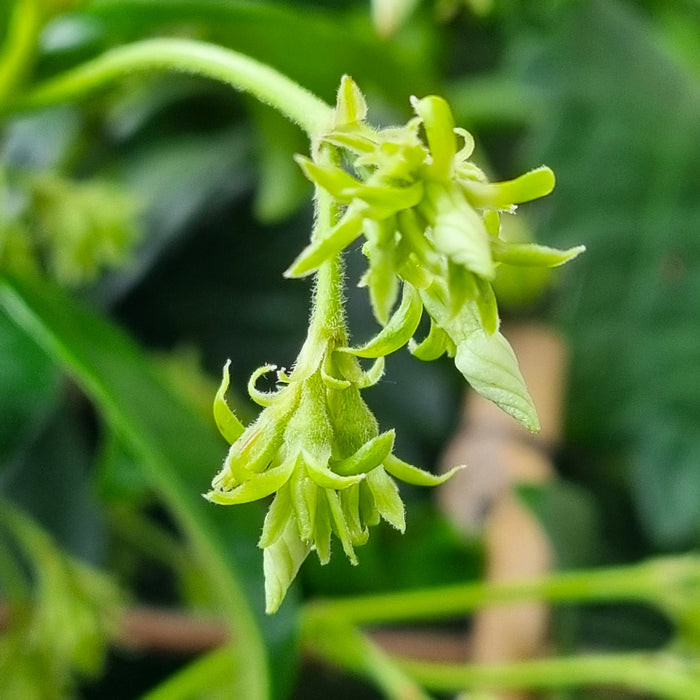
171,206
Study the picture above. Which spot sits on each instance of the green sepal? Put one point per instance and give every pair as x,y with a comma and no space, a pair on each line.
387,498
414,234
385,201
304,494
229,426
276,518
328,374
350,501
434,345
413,475
260,486
350,104
439,129
356,137
331,178
322,476
487,305
381,280
502,195
459,232
340,527
411,270
281,562
398,330
368,508
323,531
462,286
318,251
492,221
533,255
367,457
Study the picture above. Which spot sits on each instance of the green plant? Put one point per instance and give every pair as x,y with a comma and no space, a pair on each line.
431,223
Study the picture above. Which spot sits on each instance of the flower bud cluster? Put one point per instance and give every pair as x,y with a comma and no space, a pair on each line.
317,447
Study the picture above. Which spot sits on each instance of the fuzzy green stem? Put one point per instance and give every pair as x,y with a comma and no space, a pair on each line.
664,675
20,44
656,582
194,57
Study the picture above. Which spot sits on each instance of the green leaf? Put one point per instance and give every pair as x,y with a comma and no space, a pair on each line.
350,106
171,441
399,329
281,562
413,475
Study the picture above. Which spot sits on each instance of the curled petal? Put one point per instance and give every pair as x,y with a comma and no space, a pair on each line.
468,147
533,255
413,475
229,426
502,195
398,330
262,398
351,370
260,486
322,476
439,130
368,457
433,346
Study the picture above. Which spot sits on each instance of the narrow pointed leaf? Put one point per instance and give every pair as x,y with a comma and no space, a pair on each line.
387,498
333,179
399,329
369,456
229,426
281,562
533,255
413,475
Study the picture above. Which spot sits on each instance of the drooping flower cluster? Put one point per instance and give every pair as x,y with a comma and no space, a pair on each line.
317,446
430,220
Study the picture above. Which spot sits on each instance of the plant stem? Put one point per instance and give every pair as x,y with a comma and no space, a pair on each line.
20,45
648,582
188,56
660,673
345,646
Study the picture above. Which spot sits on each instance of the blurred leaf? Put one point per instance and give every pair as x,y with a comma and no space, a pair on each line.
28,388
175,447
621,132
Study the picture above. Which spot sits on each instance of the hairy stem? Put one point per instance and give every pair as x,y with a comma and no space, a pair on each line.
187,56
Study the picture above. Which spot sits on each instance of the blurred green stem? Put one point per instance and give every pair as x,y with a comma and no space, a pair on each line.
658,582
663,674
187,56
19,49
